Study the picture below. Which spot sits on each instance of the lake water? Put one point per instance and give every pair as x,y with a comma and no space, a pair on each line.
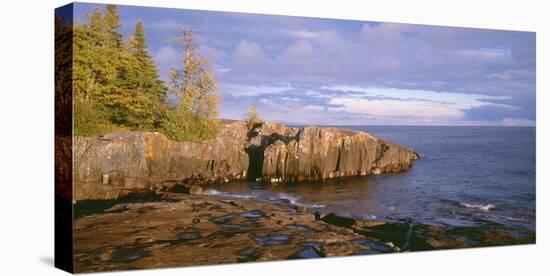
467,176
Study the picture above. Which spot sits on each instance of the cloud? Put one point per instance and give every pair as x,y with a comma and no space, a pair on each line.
483,53
249,52
414,109
495,113
253,90
459,100
166,54
302,49
166,58
384,34
344,72
302,34
166,25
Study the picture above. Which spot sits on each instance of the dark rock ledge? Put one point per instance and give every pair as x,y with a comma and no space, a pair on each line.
120,163
157,230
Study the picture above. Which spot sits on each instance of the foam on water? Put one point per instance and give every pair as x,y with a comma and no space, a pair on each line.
485,208
295,200
226,194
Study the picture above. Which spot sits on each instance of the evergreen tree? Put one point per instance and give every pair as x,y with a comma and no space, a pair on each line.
96,69
143,94
116,83
139,45
111,23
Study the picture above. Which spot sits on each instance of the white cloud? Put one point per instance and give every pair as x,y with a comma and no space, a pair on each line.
398,108
249,51
166,58
222,70
384,34
314,107
211,52
417,105
459,100
165,25
484,53
302,34
252,90
302,49
166,54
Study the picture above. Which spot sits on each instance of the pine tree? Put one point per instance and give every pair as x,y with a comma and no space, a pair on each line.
143,93
111,23
139,44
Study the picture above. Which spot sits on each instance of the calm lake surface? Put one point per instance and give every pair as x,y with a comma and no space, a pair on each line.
467,176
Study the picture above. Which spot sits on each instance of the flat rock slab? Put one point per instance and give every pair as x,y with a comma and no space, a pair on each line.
187,230
169,230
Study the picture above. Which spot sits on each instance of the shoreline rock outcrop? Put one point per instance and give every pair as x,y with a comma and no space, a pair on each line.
120,163
123,162
323,153
184,230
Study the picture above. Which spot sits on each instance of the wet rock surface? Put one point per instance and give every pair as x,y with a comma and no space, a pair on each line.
404,235
181,230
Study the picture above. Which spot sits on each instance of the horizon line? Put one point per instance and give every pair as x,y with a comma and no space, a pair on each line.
344,125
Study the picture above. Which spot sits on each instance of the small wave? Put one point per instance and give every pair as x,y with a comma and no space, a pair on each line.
242,195
225,194
295,201
486,208
369,216
292,198
212,192
516,219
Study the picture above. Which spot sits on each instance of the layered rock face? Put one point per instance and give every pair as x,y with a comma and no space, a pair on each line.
323,153
122,162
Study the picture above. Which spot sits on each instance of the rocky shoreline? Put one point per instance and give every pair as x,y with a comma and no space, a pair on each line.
142,193
157,230
120,163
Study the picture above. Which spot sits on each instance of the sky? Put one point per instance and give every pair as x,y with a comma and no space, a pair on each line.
299,70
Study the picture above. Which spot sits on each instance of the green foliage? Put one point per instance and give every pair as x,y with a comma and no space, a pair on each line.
88,121
63,75
183,126
116,84
253,117
118,76
194,85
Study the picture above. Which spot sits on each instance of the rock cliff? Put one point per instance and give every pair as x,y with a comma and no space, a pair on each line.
323,153
120,163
